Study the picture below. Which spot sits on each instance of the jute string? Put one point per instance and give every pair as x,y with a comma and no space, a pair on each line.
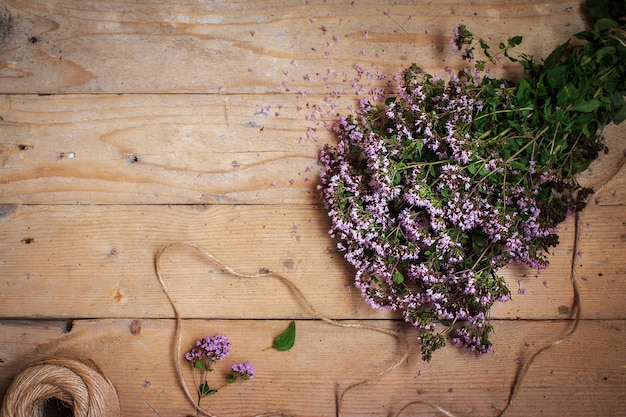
178,333
401,337
79,384
576,305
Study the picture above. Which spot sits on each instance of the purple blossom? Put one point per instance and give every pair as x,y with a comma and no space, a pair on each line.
242,370
214,348
194,355
410,193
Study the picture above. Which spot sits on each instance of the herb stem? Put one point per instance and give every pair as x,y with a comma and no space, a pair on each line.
423,164
501,112
522,149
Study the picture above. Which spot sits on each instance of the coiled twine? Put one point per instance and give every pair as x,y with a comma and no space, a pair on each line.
79,384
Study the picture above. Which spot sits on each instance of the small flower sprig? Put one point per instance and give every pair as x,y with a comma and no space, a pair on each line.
207,352
434,188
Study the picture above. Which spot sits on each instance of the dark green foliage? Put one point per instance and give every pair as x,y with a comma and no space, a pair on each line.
286,339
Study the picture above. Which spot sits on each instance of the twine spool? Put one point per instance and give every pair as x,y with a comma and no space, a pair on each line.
80,385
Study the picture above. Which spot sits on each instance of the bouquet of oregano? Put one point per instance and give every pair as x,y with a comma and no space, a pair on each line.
434,188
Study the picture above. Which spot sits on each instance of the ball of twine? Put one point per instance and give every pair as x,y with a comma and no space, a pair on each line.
79,384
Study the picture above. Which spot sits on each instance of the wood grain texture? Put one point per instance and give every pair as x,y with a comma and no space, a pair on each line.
137,356
155,149
98,261
127,126
104,257
187,149
243,47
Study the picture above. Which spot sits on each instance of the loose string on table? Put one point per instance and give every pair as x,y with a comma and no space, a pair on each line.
83,387
401,337
578,221
178,333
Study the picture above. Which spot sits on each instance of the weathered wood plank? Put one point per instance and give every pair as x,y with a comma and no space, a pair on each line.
581,377
242,47
97,261
180,149
600,262
250,86
159,149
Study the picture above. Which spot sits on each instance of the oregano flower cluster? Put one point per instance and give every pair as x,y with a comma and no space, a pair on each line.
203,356
434,188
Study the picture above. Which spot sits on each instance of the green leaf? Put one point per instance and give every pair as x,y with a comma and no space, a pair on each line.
581,164
523,91
617,100
419,145
485,48
287,338
602,52
518,165
585,35
620,116
514,41
567,95
605,24
398,278
587,106
557,76
204,389
478,242
556,56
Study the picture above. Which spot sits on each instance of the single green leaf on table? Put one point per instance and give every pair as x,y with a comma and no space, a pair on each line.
287,338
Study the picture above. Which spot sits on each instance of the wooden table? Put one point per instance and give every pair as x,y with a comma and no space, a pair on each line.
127,126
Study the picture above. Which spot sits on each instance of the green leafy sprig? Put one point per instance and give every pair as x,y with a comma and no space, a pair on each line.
205,354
